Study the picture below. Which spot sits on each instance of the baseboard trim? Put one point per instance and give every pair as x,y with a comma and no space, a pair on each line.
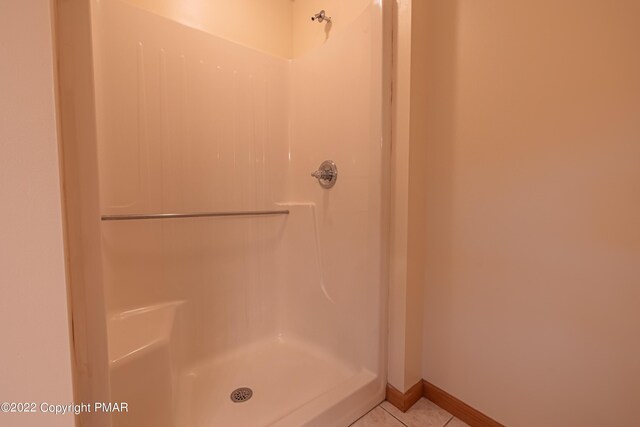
404,401
449,403
457,407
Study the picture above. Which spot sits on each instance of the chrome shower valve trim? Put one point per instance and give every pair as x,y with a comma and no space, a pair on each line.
327,174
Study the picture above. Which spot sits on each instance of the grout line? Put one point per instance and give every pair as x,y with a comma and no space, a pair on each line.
447,423
399,420
361,417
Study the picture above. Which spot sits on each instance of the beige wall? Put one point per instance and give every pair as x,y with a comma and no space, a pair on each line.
264,25
308,34
533,209
35,361
407,204
279,27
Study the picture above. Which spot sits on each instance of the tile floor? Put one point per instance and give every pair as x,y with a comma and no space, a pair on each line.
423,414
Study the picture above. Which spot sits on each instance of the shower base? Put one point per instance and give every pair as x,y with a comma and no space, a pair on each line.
293,384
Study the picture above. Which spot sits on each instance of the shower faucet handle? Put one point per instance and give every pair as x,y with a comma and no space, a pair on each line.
318,174
327,174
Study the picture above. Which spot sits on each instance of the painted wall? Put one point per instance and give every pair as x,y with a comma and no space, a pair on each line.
264,25
533,209
279,27
308,35
407,203
35,362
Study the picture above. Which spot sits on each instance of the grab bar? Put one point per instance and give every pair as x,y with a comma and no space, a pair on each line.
190,215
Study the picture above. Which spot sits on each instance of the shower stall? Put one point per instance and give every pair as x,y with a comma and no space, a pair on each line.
219,275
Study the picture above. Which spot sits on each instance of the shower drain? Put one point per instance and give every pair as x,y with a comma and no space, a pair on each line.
241,394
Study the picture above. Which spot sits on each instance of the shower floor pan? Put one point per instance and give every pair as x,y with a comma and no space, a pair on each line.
293,385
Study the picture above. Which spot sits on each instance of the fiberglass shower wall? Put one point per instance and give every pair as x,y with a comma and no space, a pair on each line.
190,122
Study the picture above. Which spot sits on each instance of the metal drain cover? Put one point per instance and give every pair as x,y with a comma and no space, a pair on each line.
241,394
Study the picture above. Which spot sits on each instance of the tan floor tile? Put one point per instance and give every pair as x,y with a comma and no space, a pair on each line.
378,417
457,423
423,414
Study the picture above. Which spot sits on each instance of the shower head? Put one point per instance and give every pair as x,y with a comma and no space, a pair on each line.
321,17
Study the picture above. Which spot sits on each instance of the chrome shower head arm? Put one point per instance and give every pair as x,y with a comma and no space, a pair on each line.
321,17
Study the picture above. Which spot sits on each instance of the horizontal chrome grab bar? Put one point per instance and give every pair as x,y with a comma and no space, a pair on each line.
190,215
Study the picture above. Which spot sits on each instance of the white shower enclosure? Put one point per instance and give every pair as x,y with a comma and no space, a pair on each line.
283,293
